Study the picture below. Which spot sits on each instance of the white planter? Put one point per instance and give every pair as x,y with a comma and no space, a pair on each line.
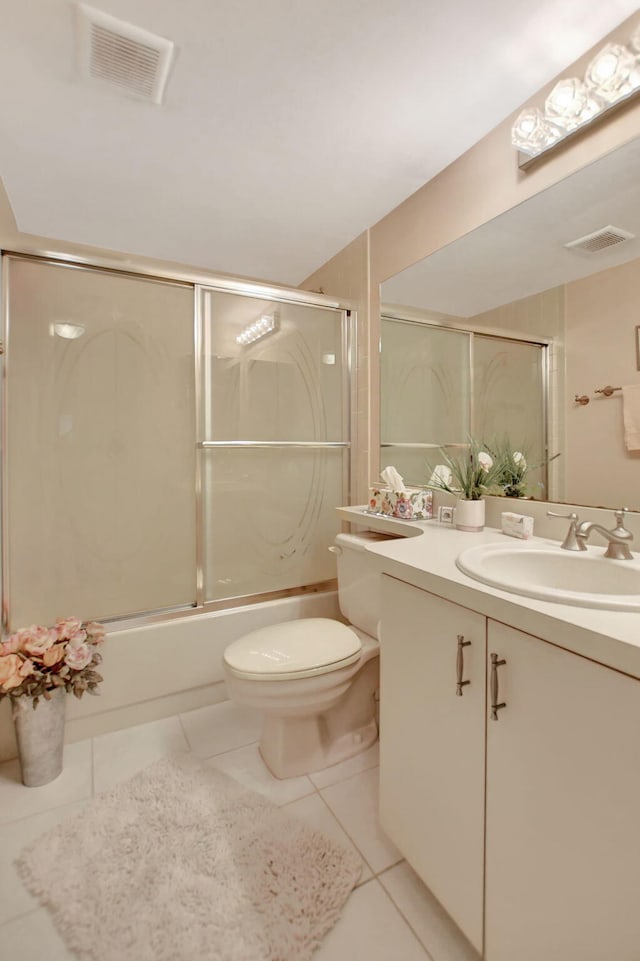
470,515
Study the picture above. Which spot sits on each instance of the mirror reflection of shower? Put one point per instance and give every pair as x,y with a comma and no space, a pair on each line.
440,386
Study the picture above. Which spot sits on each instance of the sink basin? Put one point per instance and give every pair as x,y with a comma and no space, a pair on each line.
585,579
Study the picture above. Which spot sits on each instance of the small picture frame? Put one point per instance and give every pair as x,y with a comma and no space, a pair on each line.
638,347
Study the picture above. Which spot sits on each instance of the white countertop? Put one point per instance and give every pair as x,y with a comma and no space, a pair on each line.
425,556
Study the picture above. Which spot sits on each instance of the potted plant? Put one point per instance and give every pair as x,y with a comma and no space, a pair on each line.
512,467
469,476
38,665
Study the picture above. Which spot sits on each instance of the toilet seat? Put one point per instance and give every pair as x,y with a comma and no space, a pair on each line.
299,648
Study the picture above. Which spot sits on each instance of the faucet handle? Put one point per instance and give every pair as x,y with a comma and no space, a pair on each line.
571,541
620,529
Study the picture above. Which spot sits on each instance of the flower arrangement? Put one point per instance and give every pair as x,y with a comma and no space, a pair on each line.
36,660
512,474
512,468
470,475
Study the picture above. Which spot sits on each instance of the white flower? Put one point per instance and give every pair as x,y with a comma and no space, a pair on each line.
441,475
485,460
519,459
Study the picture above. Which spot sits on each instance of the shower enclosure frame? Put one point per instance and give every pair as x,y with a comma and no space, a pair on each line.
199,283
544,343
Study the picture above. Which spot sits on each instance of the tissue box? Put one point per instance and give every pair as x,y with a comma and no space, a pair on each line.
413,504
517,525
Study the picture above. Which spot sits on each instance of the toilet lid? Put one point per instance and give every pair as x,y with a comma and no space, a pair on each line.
305,646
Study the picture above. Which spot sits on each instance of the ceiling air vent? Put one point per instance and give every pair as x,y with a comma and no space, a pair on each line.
118,53
601,239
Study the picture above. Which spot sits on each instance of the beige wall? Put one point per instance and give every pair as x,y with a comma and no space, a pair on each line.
483,183
601,316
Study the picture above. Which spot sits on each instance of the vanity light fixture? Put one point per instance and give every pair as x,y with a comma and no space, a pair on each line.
611,79
265,325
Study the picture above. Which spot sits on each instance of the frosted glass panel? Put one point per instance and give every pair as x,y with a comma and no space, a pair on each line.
269,518
270,511
424,373
285,386
101,441
508,395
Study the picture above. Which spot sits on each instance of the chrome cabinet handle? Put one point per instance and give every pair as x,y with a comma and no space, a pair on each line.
495,707
460,664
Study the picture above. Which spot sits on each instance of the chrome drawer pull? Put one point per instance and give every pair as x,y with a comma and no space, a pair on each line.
460,664
495,707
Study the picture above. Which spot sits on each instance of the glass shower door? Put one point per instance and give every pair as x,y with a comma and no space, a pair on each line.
273,442
425,395
100,438
509,401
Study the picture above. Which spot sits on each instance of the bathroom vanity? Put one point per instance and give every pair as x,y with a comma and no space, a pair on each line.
510,750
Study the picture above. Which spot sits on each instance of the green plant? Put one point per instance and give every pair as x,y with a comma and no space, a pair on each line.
470,474
512,467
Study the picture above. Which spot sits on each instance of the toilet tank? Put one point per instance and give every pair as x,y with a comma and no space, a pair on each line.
359,579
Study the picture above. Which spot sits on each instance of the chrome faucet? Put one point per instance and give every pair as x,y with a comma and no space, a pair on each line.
619,538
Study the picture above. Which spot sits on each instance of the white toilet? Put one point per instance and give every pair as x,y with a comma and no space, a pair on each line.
316,679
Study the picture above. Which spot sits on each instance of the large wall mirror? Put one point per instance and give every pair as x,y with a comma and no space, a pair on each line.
499,333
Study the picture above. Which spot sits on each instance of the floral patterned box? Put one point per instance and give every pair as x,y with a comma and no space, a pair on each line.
412,504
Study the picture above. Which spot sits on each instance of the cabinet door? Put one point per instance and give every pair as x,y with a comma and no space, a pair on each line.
563,807
432,745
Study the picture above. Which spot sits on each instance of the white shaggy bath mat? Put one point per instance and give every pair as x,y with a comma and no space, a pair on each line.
181,863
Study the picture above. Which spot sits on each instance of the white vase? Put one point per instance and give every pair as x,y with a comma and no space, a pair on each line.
40,736
469,515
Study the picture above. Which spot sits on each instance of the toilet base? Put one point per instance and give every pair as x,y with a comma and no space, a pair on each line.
292,749
296,742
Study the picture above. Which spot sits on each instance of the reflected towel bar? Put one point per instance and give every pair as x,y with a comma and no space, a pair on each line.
607,391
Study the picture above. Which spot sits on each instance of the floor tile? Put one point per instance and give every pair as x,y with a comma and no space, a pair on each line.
74,784
361,762
220,727
121,754
433,926
314,812
355,804
370,929
247,767
33,937
15,899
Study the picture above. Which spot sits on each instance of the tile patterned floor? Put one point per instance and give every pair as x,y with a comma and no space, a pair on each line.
390,915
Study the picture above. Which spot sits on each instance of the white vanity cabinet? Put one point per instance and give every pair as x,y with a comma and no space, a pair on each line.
553,855
432,744
562,807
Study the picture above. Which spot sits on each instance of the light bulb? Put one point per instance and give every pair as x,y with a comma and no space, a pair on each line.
570,104
613,73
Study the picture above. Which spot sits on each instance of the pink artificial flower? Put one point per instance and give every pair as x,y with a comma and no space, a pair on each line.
11,645
28,667
10,666
36,640
68,628
53,655
96,632
78,656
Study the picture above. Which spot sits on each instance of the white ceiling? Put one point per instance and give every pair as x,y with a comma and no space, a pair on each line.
288,126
